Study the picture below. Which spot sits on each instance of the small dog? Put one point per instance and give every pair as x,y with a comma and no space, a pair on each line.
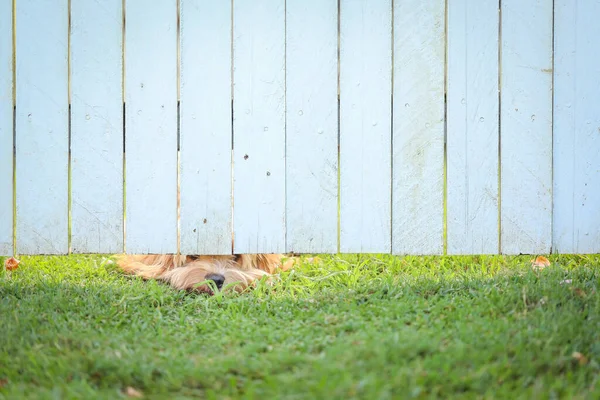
202,273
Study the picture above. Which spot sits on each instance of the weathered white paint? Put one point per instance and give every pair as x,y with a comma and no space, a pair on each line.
472,130
42,120
576,127
6,128
259,126
311,126
418,154
365,125
151,126
96,127
206,127
376,198
526,127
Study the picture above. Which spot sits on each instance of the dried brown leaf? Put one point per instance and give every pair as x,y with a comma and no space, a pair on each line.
539,263
131,392
583,360
11,264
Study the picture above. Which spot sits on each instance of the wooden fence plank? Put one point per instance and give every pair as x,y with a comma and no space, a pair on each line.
418,147
96,127
206,214
311,126
576,127
365,125
526,127
42,131
259,126
151,126
6,128
472,130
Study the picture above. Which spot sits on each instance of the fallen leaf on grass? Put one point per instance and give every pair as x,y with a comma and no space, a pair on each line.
583,360
579,292
539,263
11,264
3,382
131,392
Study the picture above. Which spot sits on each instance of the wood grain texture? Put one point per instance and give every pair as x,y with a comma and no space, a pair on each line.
259,126
576,127
311,126
151,126
526,127
418,149
365,126
96,127
472,128
206,214
6,128
42,133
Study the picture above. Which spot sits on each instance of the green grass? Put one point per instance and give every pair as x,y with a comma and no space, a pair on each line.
372,327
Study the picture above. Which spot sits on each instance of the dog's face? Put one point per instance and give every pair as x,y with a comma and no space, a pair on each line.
204,274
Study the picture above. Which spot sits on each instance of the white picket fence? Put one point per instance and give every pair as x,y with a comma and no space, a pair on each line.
473,129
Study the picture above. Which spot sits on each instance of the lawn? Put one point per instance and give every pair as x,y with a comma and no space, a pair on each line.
341,327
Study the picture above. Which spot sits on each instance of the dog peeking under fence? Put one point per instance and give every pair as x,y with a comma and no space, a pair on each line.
203,273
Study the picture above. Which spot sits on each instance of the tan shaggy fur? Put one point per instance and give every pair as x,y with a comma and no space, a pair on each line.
190,272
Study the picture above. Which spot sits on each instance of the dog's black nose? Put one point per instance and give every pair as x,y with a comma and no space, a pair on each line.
218,279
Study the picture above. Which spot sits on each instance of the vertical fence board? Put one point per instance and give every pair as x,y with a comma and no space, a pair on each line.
206,127
42,140
311,126
259,126
472,133
365,125
6,129
526,127
151,126
96,127
418,169
576,127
